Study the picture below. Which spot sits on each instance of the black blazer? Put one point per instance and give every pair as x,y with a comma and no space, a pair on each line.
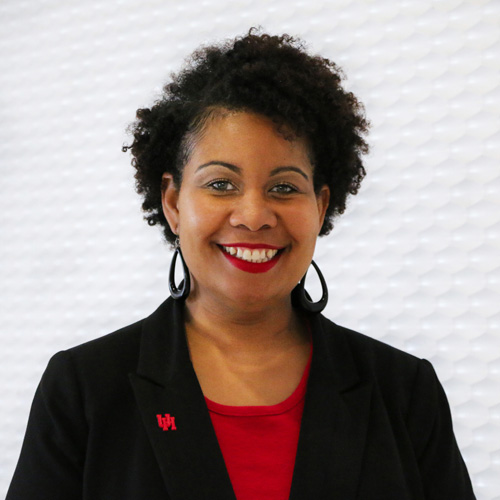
376,423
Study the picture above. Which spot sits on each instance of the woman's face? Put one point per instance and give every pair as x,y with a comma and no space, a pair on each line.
246,212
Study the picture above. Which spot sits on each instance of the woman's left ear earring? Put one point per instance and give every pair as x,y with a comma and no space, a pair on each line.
182,292
301,299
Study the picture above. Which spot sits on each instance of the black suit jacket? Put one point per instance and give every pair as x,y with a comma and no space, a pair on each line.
376,423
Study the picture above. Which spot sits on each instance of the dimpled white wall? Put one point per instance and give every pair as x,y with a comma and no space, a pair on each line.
414,261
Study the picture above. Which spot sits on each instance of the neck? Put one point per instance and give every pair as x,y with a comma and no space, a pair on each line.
248,329
248,355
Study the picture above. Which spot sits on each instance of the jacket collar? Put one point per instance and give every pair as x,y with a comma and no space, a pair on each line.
164,354
335,414
335,419
165,385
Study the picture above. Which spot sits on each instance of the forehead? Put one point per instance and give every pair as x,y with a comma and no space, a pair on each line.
248,138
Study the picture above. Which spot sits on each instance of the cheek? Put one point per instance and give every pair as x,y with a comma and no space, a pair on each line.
197,218
303,222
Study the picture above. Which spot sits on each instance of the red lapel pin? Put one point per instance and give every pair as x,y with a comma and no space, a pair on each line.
166,422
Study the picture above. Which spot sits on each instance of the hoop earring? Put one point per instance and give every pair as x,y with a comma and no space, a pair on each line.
300,297
182,292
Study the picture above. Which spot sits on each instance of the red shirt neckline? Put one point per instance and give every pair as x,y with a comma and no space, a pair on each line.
248,411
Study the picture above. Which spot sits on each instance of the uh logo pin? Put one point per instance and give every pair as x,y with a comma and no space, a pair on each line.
166,422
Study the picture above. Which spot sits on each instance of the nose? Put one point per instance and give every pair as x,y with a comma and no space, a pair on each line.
253,211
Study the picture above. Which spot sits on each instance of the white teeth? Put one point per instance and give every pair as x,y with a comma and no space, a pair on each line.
257,255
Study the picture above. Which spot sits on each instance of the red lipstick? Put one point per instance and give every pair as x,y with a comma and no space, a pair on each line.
252,267
251,245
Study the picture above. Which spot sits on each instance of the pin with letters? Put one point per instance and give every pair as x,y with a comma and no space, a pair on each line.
166,422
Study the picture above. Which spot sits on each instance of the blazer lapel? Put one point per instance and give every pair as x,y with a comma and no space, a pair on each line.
333,430
174,412
334,422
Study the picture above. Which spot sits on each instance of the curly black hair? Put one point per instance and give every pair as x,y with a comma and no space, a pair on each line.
270,75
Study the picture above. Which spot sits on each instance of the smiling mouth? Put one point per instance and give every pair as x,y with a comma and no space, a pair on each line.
251,257
254,255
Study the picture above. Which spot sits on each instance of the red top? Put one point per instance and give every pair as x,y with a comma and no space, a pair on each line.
259,443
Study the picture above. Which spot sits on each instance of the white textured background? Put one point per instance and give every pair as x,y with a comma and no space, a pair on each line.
414,262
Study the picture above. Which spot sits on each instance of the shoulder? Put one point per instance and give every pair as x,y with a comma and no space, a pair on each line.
117,349
120,347
407,400
403,384
368,351
95,372
394,372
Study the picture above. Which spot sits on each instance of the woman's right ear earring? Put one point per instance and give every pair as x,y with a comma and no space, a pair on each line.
182,292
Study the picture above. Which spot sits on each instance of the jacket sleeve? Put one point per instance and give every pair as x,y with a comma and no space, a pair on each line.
443,471
53,451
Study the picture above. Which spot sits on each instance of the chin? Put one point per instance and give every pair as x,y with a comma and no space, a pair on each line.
246,299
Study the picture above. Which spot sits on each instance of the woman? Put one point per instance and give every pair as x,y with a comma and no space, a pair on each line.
236,387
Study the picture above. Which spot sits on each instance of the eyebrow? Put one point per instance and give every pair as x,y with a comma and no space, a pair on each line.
236,169
230,166
277,170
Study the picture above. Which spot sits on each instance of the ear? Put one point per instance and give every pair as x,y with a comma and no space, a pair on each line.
169,201
323,200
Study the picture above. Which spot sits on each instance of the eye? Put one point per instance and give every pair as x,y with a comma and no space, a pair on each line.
221,185
284,188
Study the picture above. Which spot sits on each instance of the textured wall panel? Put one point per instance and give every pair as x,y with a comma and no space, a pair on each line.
414,262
